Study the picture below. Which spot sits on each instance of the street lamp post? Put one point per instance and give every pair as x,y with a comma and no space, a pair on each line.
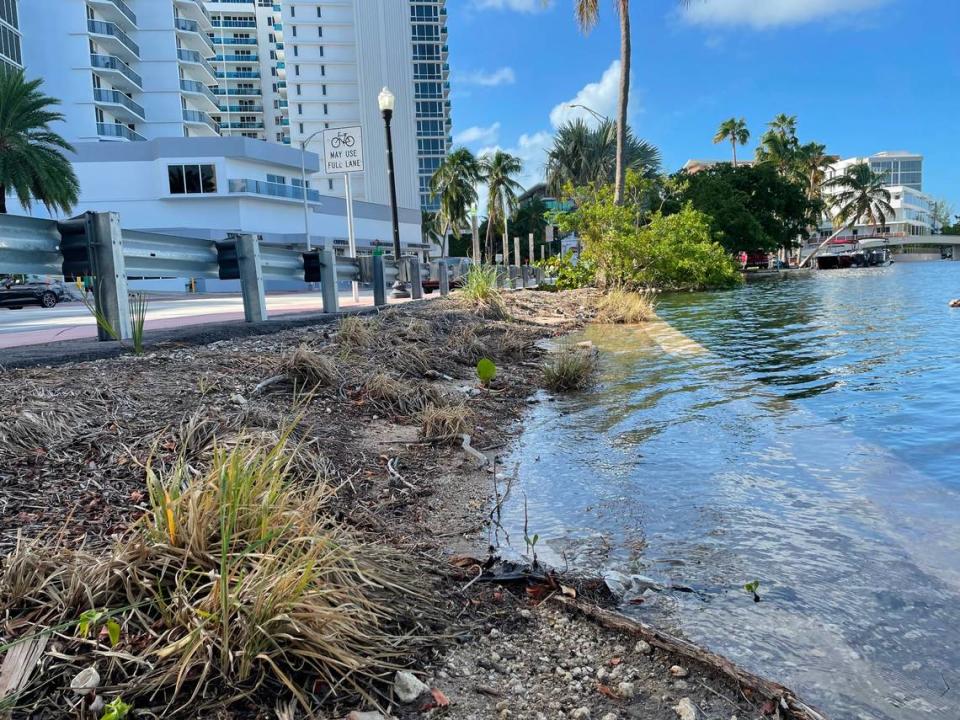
387,100
303,186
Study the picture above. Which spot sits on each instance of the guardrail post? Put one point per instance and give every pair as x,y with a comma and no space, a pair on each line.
251,278
525,276
444,273
110,289
515,275
540,274
379,282
328,281
503,277
416,284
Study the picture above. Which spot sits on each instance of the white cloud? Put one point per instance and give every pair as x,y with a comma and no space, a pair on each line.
501,76
600,97
477,134
526,6
771,13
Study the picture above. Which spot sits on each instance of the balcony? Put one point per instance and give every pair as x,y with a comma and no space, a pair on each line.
114,131
236,58
238,91
242,125
238,74
116,11
259,187
241,109
197,117
220,23
191,33
118,105
117,71
192,57
198,89
198,9
112,38
234,41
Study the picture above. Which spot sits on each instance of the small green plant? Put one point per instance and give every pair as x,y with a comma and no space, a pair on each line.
116,709
569,368
531,542
481,291
91,619
138,317
486,371
752,587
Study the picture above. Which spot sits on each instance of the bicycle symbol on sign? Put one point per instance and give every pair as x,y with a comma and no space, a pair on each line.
342,138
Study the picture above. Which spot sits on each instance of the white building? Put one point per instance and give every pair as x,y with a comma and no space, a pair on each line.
10,53
209,187
912,223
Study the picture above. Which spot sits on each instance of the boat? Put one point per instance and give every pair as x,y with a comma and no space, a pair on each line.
874,257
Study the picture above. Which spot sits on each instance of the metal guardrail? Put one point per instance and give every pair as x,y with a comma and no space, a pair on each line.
94,244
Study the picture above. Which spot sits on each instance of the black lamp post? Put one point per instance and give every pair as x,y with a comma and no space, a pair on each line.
387,101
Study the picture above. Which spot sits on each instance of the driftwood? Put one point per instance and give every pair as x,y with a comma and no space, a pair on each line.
790,707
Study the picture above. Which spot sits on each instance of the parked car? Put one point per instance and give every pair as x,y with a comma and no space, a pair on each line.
14,294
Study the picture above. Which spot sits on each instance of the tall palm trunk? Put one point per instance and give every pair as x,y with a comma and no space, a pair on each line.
489,241
734,143
624,99
3,199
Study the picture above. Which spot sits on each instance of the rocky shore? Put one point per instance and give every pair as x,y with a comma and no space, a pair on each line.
394,414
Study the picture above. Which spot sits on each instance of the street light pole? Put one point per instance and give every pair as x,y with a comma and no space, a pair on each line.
387,100
303,186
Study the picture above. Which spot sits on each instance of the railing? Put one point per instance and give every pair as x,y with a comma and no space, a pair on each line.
234,23
237,91
123,8
99,27
192,26
198,116
192,86
218,40
112,62
245,74
95,240
236,58
259,187
192,56
241,108
116,130
118,98
242,125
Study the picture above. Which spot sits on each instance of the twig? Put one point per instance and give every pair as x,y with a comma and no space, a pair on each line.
470,450
396,475
476,577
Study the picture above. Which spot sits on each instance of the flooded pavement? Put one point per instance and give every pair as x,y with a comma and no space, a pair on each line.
801,433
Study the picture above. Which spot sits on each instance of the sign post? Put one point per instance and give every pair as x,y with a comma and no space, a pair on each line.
343,154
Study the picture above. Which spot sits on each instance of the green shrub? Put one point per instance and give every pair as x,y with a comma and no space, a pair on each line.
481,292
569,274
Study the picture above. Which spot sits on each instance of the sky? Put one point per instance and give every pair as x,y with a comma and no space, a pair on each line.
861,76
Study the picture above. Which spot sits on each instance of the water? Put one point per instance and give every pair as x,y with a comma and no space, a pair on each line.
802,433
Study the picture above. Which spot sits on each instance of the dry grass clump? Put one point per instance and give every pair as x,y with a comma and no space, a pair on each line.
465,344
356,333
310,370
569,368
445,423
624,307
233,587
41,418
400,397
481,293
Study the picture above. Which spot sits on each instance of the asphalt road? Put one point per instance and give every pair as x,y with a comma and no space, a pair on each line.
71,320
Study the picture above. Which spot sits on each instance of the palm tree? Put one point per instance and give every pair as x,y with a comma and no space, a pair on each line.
32,165
588,14
784,125
779,144
812,163
582,155
454,182
735,131
430,228
498,171
860,196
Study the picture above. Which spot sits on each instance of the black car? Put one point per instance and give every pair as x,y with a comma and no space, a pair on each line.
15,294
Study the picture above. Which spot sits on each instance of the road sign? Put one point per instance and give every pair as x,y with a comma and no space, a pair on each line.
343,150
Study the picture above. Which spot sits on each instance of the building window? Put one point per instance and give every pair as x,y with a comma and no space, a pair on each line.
323,70
330,184
276,179
192,179
320,31
296,69
321,51
326,110
324,87
319,12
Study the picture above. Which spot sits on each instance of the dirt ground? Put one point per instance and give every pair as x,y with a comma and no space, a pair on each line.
75,440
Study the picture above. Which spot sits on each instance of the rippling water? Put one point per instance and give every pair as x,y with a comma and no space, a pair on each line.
802,433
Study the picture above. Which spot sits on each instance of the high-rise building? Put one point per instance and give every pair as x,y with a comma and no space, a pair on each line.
124,74
250,68
431,77
10,53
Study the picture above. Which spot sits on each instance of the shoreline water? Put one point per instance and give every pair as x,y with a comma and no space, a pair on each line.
523,660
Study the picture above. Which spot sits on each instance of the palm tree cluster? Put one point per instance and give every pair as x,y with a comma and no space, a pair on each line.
582,155
455,184
32,164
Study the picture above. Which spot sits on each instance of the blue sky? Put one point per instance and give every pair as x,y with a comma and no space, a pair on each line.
861,75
